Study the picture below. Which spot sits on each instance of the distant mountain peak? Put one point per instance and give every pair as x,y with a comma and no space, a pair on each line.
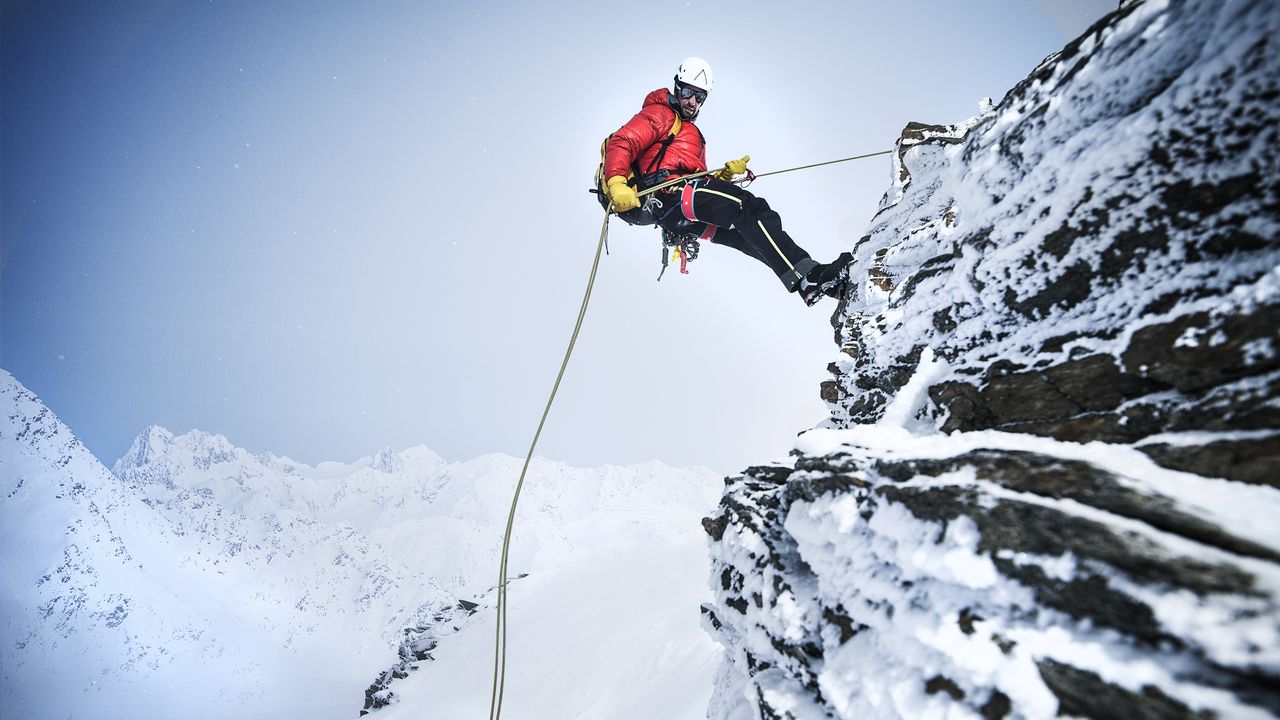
387,461
150,444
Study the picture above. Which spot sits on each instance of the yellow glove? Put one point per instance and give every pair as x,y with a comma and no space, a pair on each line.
621,194
733,168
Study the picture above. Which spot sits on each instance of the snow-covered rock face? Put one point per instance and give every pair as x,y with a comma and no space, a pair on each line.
1095,257
1052,476
894,575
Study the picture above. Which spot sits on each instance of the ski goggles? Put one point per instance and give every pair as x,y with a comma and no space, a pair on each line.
685,92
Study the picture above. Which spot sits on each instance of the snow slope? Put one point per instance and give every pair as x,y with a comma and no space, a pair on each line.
203,581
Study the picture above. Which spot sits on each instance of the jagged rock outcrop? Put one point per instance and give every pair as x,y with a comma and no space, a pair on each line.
1050,481
415,648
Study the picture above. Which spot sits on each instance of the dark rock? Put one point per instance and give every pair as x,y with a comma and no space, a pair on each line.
839,618
710,614
1019,527
996,707
1096,398
767,711
1254,461
775,474
814,488
715,526
1083,693
1200,351
1070,289
938,683
1005,644
1052,401
1084,483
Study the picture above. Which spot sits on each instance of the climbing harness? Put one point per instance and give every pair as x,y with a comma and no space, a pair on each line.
685,249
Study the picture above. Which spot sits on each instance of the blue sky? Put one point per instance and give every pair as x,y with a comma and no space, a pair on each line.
325,228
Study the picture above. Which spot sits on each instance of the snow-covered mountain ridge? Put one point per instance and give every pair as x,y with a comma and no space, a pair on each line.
1050,481
205,581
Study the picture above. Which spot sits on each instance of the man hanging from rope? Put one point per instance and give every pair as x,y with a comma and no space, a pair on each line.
662,143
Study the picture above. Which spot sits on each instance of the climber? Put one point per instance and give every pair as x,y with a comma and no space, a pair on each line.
662,143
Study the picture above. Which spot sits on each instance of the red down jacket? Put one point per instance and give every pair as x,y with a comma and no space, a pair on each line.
642,138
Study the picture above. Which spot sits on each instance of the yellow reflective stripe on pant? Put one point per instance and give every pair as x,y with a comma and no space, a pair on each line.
781,254
717,192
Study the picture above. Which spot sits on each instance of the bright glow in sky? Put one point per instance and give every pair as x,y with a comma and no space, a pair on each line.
325,228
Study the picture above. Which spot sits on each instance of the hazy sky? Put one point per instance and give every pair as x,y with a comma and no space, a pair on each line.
325,228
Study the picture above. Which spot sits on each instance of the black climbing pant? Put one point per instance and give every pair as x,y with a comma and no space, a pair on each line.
728,215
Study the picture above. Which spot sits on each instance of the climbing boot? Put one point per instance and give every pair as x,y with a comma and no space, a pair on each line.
825,279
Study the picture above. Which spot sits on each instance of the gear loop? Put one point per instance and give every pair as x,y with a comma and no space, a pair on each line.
686,242
683,246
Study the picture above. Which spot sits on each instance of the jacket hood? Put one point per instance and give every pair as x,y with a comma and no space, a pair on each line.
661,96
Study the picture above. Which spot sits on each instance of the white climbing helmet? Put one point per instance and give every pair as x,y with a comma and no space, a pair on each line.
695,72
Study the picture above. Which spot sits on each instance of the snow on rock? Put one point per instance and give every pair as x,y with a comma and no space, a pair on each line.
201,580
1095,257
1049,485
897,574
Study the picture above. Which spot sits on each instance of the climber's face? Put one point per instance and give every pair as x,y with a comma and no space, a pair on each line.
690,99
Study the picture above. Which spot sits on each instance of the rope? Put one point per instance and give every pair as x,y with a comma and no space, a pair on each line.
829,162
675,181
500,638
500,634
